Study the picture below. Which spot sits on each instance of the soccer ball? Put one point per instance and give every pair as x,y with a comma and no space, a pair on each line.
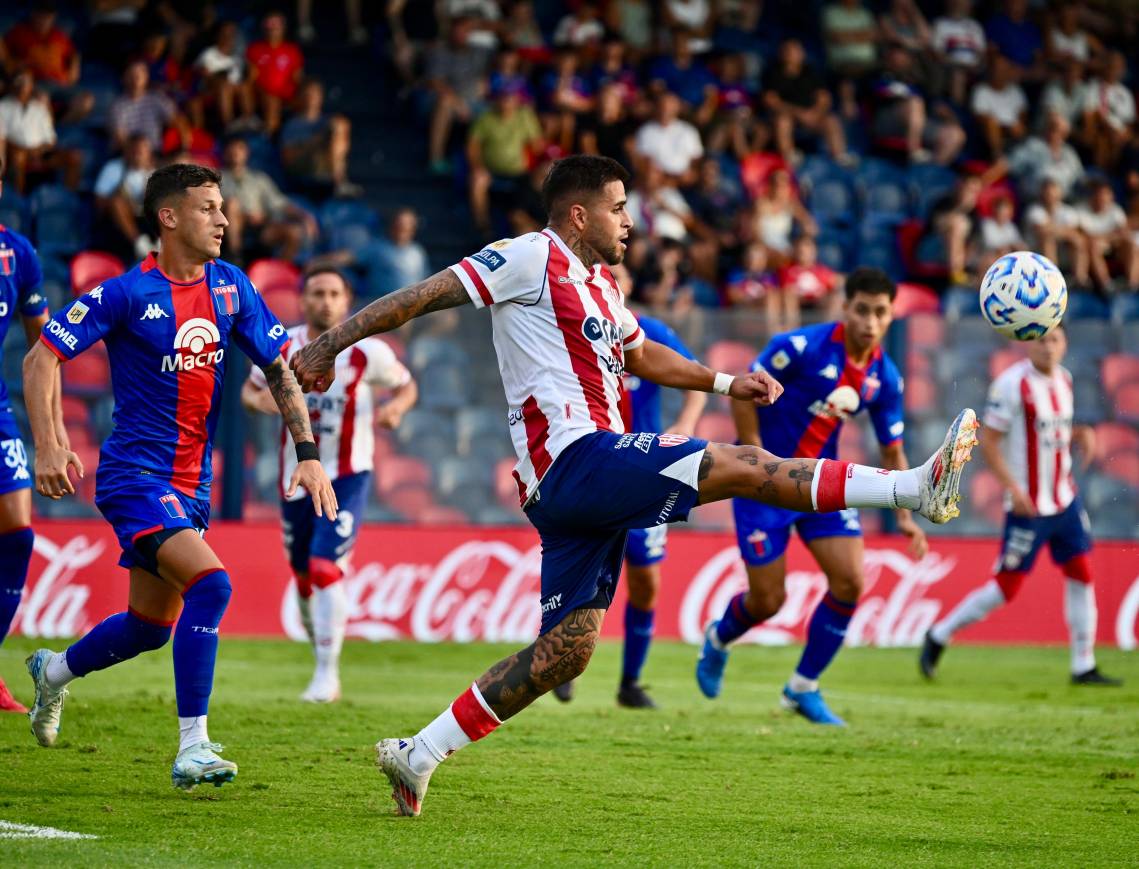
1023,295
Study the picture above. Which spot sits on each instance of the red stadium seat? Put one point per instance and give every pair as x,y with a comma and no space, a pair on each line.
92,267
75,413
1119,368
410,500
437,514
274,274
915,299
1123,466
756,168
921,394
1126,401
1115,437
918,362
505,486
716,427
285,303
1003,358
926,331
89,373
396,471
732,357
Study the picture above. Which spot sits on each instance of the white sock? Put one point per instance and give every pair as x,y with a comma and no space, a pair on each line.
57,673
304,607
863,486
191,732
976,605
800,684
444,736
329,621
1080,614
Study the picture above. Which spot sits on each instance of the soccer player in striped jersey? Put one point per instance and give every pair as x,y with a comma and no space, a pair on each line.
564,338
1027,442
168,325
318,548
829,372
20,294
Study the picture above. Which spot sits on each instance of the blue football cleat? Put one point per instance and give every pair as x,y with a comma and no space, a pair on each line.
710,666
810,705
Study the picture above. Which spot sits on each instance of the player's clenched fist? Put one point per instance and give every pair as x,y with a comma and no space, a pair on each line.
757,386
314,365
52,480
310,474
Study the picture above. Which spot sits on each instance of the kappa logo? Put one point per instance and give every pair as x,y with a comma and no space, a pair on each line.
153,312
799,343
193,345
830,372
97,294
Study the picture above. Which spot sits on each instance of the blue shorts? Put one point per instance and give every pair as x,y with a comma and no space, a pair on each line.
308,535
763,531
14,472
601,486
646,546
138,505
1067,534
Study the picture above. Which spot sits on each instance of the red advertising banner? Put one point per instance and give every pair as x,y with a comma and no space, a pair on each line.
461,584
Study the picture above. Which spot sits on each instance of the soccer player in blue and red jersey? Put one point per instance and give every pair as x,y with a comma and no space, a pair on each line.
168,325
20,280
829,372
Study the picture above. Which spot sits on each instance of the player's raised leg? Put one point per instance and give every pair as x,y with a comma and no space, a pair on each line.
16,541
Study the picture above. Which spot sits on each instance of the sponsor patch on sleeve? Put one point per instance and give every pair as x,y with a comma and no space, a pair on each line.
492,259
780,360
77,313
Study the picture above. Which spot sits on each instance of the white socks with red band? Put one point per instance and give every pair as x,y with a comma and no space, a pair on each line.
467,720
838,485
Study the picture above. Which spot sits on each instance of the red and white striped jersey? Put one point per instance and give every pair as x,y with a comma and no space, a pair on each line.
341,416
1034,410
560,331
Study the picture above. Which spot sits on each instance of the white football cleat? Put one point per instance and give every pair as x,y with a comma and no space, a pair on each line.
48,705
324,688
941,474
408,787
200,764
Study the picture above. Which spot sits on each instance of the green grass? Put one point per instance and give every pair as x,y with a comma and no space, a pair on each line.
999,764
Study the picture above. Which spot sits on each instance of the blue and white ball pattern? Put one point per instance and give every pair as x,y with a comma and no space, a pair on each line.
1023,295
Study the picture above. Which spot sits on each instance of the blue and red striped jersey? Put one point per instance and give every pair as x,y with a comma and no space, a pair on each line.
21,281
821,389
167,343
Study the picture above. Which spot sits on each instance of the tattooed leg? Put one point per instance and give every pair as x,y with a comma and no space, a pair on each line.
556,657
750,472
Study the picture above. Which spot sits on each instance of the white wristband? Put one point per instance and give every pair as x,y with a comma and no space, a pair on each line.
722,384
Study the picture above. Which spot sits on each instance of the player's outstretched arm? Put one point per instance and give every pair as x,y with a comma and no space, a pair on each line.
663,365
314,364
309,473
41,395
32,328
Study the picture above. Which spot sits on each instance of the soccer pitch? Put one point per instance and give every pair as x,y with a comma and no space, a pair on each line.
1000,763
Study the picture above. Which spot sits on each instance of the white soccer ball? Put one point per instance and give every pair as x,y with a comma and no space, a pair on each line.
1023,295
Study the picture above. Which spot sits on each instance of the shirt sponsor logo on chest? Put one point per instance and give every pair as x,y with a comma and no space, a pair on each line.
195,346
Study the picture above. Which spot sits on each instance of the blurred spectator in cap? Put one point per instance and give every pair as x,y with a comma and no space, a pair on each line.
682,73
580,28
485,18
1053,228
632,20
1000,107
1109,239
27,133
800,103
1014,35
499,146
1067,40
260,215
959,41
668,142
565,97
1042,157
999,232
221,68
275,68
902,118
1065,94
139,110
609,130
119,189
1108,113
456,79
315,145
36,42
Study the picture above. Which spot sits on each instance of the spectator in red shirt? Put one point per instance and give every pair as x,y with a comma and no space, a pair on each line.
808,282
275,69
36,43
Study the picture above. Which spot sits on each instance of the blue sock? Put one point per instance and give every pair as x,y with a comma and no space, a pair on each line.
196,642
15,554
736,620
638,635
116,639
825,634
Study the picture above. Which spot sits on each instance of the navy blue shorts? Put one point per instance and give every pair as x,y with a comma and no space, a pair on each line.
308,535
14,471
601,486
646,546
1067,534
138,505
763,531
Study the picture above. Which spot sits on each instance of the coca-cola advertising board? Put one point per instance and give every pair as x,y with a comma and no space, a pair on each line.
435,584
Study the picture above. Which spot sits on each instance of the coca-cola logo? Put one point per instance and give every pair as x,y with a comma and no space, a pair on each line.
1127,618
54,606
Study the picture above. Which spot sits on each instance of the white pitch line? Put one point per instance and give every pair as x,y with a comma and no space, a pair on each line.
9,830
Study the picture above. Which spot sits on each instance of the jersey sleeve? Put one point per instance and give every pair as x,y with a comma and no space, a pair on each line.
256,329
782,355
632,335
90,318
511,270
30,298
383,369
1001,406
887,412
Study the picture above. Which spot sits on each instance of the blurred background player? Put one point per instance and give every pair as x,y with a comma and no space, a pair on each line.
829,373
20,293
1027,442
645,549
166,324
318,547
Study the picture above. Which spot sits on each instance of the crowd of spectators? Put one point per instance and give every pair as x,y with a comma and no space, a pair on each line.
760,136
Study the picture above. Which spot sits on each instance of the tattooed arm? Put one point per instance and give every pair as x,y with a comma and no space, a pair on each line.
314,363
309,473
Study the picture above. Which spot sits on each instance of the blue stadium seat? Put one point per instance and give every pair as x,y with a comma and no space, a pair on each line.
455,475
432,349
818,168
882,255
53,197
15,211
834,250
874,170
476,426
832,201
60,233
960,302
355,237
443,386
1085,306
1089,339
886,203
1124,307
342,211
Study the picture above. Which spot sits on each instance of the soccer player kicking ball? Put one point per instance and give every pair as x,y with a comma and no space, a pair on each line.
1029,417
318,547
829,373
20,282
167,324
563,338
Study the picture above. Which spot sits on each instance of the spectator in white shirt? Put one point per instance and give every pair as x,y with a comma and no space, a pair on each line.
1064,95
1067,40
1042,157
657,208
580,28
27,136
1104,225
1053,228
999,233
1000,106
119,190
671,144
959,41
1109,112
221,67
